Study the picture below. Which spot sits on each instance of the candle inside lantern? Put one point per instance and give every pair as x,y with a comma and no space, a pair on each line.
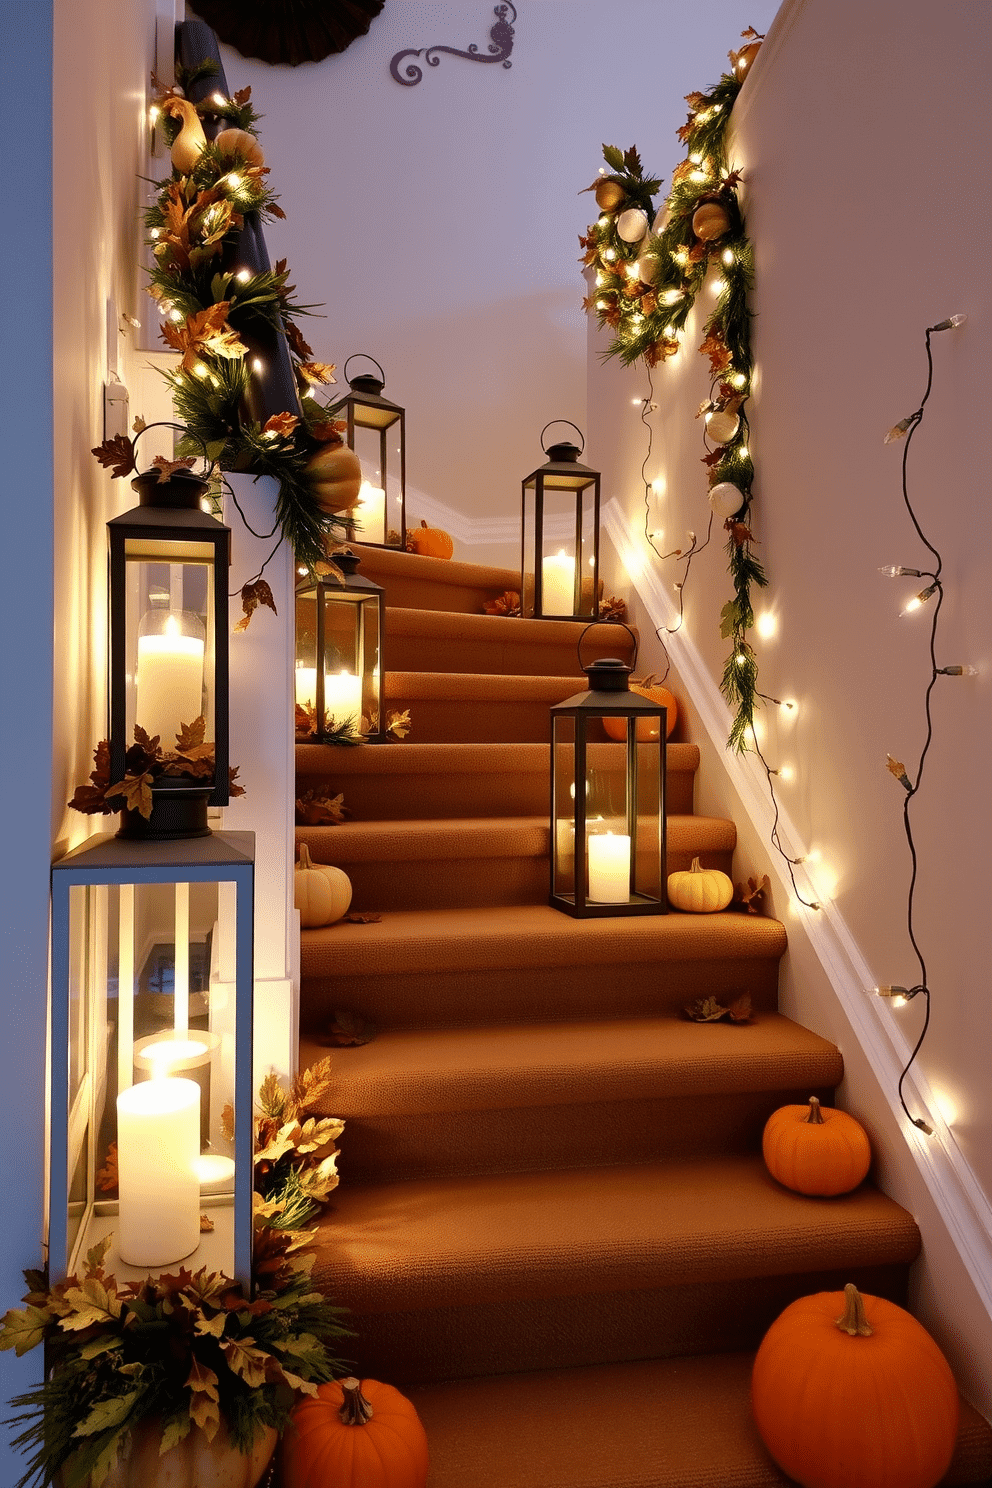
370,513
609,868
343,696
158,1141
169,680
214,1172
558,585
306,686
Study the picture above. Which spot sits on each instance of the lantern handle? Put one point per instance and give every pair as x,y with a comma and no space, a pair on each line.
167,424
560,421
592,623
369,358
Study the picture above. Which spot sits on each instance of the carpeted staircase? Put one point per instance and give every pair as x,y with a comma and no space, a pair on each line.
554,1228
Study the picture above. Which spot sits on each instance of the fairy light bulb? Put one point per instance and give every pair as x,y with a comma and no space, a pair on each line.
243,275
951,323
257,364
899,996
957,671
919,600
153,113
609,254
728,256
896,571
219,100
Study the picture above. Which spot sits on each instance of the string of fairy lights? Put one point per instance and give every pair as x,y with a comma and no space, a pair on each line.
933,590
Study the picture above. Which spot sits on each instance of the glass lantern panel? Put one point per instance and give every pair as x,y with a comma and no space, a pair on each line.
649,870
371,511
608,820
565,535
563,806
169,637
161,970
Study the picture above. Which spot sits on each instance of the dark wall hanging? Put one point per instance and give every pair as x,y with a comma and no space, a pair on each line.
288,32
500,47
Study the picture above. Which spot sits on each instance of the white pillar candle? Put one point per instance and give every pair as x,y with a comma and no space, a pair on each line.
343,696
158,1141
306,686
558,585
169,682
609,868
370,513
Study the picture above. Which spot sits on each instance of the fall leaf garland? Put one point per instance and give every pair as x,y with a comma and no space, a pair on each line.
211,308
648,275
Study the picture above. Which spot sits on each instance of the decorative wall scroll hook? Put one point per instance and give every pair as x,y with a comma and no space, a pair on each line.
500,47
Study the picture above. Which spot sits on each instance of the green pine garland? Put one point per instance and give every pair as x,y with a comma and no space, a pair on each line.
644,292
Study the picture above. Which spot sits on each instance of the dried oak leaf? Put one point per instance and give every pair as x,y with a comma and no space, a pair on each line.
206,333
313,810
166,467
718,352
282,426
252,595
299,347
206,1224
233,788
507,603
740,532
116,454
329,431
108,1178
363,917
747,895
190,736
613,609
306,719
709,1010
348,1029
136,791
318,371
398,724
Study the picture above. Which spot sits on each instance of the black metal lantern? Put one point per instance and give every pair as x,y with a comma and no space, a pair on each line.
168,644
151,1053
339,637
608,800
560,536
376,432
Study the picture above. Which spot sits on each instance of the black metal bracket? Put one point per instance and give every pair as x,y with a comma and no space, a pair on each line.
500,47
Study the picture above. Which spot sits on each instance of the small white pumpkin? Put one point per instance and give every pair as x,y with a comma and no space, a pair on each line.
321,892
726,499
632,225
700,890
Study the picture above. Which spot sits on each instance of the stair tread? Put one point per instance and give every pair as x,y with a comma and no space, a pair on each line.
466,837
409,1072
512,630
654,1423
481,686
529,935
464,1241
410,758
450,572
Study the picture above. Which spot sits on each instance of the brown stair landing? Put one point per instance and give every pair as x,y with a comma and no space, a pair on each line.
554,1229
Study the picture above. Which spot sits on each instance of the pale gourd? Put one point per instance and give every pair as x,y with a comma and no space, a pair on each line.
189,143
334,475
700,890
240,145
321,892
194,1462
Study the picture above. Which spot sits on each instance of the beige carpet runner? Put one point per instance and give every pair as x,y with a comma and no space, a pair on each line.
554,1228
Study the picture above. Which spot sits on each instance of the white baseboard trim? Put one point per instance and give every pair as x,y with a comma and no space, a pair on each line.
951,1181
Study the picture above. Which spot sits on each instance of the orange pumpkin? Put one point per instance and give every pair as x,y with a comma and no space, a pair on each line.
335,476
851,1392
354,1434
815,1151
647,728
429,542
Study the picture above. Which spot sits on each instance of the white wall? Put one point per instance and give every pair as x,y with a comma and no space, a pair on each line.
861,132
439,223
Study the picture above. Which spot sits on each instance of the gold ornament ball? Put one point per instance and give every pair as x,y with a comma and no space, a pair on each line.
710,221
726,499
632,225
746,56
722,427
609,195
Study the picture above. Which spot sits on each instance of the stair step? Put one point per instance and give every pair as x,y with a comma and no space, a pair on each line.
478,707
449,1277
438,641
465,863
565,1094
533,964
656,1423
388,782
420,583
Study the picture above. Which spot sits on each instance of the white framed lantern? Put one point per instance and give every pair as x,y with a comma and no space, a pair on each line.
339,639
377,434
559,546
151,1054
608,841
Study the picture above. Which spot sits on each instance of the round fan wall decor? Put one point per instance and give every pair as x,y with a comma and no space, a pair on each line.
288,32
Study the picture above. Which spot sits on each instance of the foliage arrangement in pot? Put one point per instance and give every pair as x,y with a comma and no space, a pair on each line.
181,1357
184,1379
